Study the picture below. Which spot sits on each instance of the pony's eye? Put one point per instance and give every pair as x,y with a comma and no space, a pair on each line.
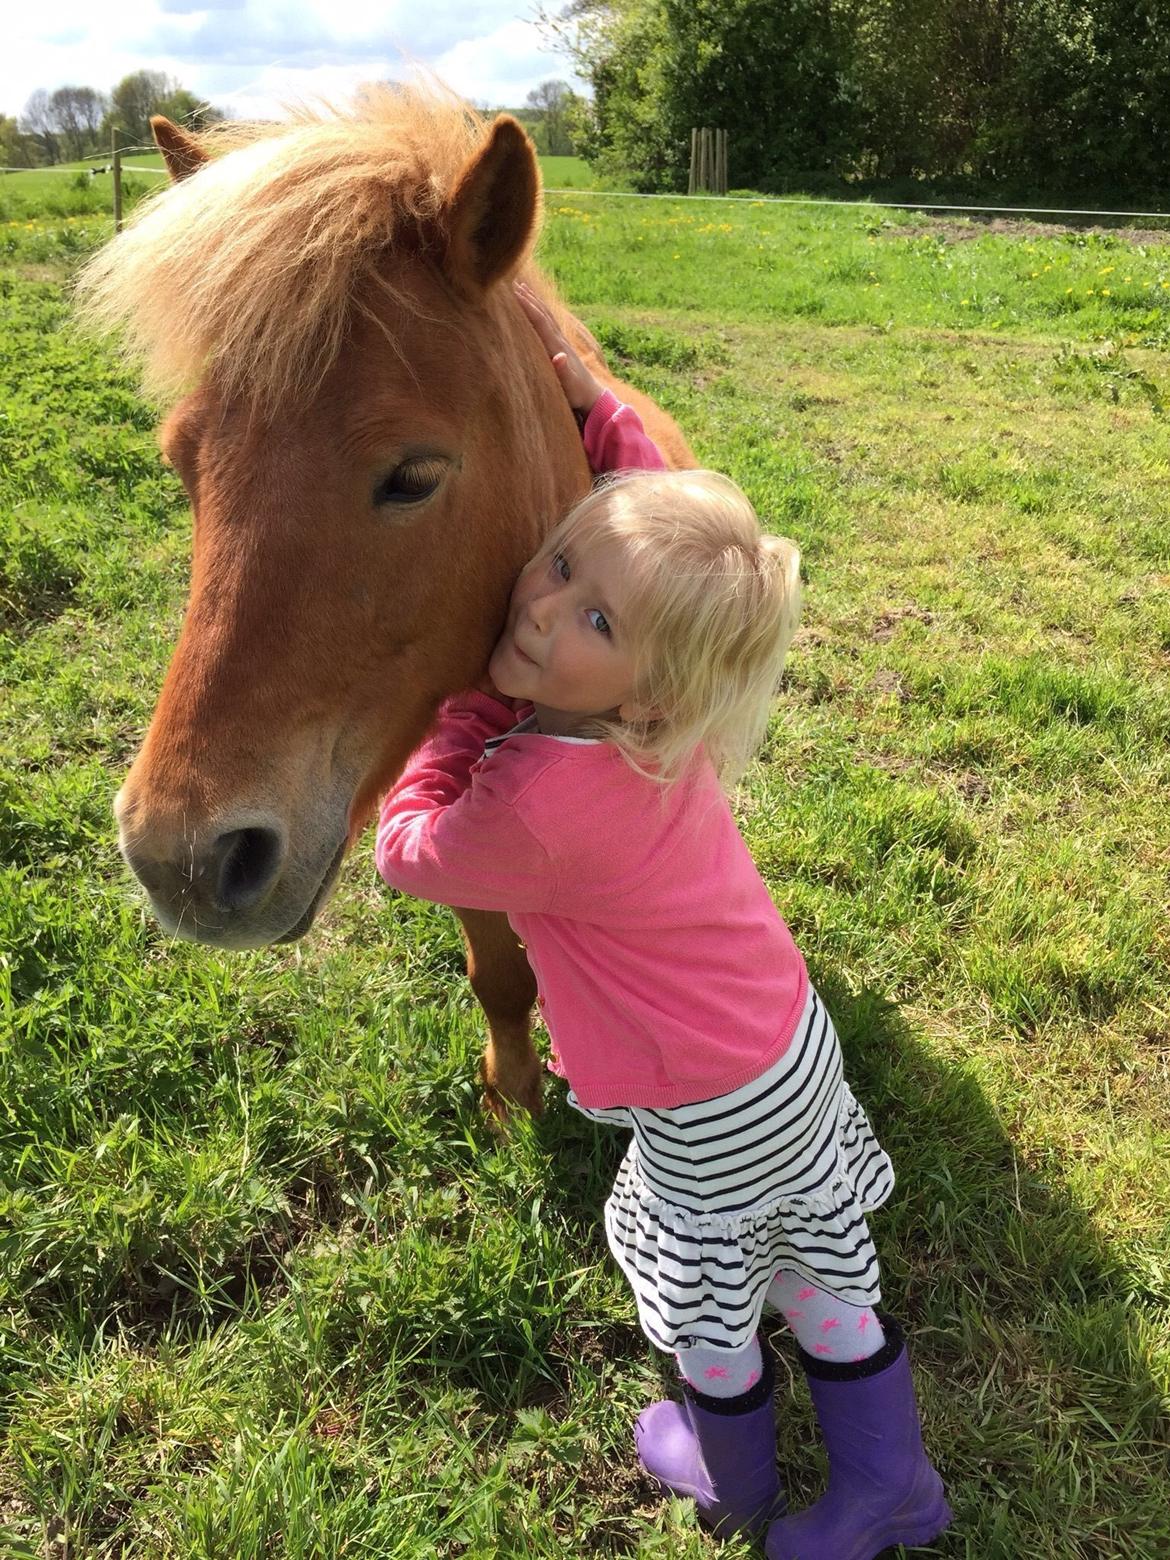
411,482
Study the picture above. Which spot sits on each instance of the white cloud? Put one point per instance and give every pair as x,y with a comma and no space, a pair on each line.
248,93
248,56
501,68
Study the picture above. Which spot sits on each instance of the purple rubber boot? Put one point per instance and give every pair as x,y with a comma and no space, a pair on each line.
721,1452
882,1490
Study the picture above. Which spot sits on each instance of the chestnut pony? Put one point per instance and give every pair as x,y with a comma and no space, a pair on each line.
373,443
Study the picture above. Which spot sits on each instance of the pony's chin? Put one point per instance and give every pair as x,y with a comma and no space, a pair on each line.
323,892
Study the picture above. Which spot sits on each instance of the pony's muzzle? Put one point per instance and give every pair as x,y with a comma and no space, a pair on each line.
208,884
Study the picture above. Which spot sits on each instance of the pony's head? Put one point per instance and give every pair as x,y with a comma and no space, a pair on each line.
372,443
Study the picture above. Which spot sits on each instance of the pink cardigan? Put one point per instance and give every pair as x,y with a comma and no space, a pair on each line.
615,439
666,974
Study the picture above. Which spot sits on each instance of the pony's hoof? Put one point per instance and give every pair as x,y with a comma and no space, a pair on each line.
506,1092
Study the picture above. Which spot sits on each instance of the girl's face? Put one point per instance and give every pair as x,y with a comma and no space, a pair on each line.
566,645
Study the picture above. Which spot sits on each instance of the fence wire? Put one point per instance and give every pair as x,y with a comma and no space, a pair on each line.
742,200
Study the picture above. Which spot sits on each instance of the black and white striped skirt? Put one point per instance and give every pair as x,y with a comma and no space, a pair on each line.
713,1199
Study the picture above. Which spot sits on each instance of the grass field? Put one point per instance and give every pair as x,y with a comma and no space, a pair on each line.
270,1287
73,190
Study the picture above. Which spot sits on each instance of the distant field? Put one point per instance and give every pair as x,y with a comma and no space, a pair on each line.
270,1286
567,173
71,189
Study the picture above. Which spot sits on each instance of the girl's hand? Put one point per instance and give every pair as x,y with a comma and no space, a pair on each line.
579,385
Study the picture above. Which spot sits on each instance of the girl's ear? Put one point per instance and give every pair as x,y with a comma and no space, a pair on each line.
491,217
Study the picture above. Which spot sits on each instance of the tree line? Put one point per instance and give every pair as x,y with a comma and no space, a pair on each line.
553,114
74,122
1057,95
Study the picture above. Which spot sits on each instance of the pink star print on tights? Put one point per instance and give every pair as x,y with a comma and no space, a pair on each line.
720,1372
824,1325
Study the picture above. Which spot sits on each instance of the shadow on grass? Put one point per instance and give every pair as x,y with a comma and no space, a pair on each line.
1038,1399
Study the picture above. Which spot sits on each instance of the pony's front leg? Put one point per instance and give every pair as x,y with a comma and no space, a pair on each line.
502,979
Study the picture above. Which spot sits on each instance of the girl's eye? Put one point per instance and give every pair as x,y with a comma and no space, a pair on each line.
598,620
560,565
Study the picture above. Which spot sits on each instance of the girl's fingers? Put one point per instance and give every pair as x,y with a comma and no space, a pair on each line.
574,379
544,327
540,318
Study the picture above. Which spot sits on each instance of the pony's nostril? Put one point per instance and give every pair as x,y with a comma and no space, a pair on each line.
249,860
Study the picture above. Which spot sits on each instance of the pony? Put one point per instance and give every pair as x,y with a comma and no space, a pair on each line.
373,444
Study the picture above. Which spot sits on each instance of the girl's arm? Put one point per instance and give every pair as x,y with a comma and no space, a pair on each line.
615,439
446,833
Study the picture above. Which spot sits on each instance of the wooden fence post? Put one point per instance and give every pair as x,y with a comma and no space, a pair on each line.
116,170
708,171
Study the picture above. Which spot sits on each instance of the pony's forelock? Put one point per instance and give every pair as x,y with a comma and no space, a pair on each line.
249,270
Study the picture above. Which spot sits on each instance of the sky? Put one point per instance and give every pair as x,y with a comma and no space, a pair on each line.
247,57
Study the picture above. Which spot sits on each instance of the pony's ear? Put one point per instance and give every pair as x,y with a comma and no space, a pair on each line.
492,214
181,152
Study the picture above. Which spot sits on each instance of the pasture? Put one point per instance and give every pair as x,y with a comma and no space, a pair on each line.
270,1285
72,190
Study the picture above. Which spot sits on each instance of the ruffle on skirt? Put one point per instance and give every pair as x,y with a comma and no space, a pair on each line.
701,1278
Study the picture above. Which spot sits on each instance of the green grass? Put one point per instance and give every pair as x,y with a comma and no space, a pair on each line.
560,173
831,265
269,1285
71,189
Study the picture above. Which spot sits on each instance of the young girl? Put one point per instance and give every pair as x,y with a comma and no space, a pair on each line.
642,646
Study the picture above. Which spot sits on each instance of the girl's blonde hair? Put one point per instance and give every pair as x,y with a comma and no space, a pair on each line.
709,609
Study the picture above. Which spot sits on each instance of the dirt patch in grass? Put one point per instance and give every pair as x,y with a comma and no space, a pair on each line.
976,226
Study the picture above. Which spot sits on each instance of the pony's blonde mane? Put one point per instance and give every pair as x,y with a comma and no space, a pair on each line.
249,269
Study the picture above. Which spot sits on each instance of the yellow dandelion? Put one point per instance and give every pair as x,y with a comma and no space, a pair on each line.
1105,270
1033,276
1127,278
1067,290
963,302
1048,268
674,257
1166,284
1106,292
